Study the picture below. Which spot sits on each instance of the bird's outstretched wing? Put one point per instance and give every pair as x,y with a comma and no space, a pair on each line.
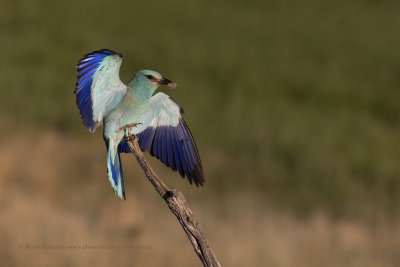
98,88
165,135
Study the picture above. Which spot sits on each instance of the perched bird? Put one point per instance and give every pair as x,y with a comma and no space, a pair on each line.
156,120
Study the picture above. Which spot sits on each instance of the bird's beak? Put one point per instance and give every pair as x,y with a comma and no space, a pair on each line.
167,82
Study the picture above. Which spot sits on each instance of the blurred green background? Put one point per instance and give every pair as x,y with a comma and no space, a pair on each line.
294,107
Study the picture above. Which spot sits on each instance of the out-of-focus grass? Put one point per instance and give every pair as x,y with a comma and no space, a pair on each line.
57,209
298,102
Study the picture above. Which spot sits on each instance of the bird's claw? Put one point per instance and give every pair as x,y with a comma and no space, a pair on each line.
126,127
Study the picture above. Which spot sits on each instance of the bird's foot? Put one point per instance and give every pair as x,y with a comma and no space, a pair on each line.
128,135
126,127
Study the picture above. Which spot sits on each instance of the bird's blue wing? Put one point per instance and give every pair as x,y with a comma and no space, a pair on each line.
98,87
165,135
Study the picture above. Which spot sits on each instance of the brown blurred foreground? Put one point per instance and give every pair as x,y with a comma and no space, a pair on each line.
57,209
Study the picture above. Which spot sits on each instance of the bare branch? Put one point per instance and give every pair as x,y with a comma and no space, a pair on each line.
178,206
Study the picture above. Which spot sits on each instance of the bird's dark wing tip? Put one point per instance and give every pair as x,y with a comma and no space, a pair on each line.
103,51
198,176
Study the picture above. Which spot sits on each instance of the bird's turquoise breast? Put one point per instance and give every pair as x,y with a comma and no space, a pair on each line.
132,109
129,110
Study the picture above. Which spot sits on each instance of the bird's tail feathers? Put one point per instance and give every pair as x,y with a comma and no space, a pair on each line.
114,170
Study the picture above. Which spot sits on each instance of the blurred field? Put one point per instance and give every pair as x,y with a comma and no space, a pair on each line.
48,202
294,107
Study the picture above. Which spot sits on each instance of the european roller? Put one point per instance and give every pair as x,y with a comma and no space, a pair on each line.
156,119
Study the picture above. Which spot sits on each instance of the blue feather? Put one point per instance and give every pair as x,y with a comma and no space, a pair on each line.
176,154
164,151
86,69
124,147
186,147
154,146
170,149
182,155
147,138
114,174
160,143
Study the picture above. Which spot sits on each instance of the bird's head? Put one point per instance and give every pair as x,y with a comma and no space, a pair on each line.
152,79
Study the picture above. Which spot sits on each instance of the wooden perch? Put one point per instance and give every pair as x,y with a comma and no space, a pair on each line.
178,206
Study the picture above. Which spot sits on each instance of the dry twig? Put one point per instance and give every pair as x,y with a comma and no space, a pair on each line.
178,206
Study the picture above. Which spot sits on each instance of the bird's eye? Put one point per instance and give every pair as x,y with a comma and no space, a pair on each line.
150,77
